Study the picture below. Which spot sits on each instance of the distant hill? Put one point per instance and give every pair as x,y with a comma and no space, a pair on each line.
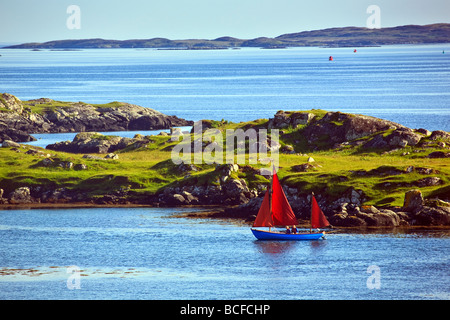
332,37
353,36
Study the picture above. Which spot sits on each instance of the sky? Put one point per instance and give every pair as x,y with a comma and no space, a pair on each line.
46,20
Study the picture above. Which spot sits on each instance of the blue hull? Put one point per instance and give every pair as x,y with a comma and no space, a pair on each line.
266,235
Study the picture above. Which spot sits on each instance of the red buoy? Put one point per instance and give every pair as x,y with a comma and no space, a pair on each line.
330,58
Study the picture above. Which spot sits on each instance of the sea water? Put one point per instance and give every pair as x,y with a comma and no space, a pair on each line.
408,84
153,253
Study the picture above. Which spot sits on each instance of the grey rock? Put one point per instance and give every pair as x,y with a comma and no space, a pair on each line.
89,156
20,195
284,119
440,134
429,181
413,200
10,144
112,156
431,216
92,142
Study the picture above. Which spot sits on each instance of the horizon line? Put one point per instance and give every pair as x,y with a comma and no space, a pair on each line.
211,39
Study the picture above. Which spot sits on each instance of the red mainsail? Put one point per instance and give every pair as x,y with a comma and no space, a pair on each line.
318,219
280,214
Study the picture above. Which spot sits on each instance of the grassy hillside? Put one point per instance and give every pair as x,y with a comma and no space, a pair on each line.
383,176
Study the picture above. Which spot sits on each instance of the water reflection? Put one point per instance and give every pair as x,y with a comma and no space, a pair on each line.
283,247
318,245
274,247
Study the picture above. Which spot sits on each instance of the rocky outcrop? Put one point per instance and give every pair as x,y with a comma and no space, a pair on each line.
244,203
348,211
285,119
223,188
14,135
431,216
19,119
399,138
20,195
353,216
10,144
337,129
413,200
414,212
93,142
11,103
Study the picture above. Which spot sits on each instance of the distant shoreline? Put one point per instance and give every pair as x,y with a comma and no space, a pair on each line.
330,38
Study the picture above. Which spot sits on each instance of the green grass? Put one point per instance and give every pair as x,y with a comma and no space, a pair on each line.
41,108
383,179
147,170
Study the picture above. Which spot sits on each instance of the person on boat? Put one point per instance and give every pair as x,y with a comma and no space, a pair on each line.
294,229
288,231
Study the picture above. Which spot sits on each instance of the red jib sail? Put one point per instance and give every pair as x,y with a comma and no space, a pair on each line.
264,217
318,219
281,213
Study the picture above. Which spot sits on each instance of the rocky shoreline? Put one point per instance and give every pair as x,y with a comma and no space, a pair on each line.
20,119
106,170
233,199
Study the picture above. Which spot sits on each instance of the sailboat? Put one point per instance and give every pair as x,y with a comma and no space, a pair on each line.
275,210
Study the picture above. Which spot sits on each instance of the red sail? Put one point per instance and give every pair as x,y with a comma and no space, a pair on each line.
264,217
318,219
281,213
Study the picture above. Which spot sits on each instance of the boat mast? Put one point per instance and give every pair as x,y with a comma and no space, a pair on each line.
310,219
270,192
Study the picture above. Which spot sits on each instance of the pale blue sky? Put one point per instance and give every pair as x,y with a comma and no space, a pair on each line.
45,20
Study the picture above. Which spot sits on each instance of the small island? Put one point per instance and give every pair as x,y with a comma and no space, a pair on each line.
365,171
20,118
332,37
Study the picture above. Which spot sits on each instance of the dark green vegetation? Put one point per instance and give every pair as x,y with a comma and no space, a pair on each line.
333,37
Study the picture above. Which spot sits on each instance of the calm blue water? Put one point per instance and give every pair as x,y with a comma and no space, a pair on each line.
148,253
145,253
405,84
44,139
